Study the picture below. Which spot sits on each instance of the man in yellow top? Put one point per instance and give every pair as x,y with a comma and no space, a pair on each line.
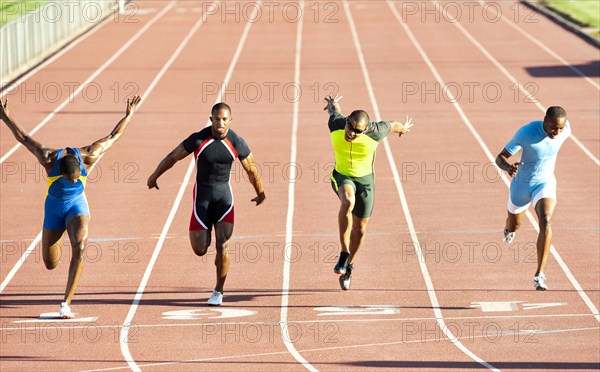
355,139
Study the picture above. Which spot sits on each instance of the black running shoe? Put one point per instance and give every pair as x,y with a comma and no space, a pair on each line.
340,267
345,279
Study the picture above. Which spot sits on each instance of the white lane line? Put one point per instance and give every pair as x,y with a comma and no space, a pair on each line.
491,158
310,321
21,260
100,69
289,222
123,339
430,288
543,46
345,347
510,77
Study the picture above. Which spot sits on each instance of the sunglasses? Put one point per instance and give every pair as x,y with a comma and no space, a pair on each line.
353,129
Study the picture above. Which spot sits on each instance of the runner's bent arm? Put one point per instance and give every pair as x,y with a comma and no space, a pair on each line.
249,166
43,154
90,154
502,162
174,156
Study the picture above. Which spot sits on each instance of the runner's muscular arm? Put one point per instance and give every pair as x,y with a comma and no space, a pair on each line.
44,155
90,154
502,162
249,166
169,161
401,128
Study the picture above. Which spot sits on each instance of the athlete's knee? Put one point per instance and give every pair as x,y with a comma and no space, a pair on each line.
347,204
200,249
78,251
50,263
51,258
200,242
545,222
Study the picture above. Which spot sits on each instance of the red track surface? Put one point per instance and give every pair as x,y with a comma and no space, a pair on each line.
455,199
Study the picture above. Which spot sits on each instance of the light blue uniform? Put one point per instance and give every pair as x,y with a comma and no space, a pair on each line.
65,199
535,179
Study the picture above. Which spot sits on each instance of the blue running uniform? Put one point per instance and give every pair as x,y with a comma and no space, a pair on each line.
535,179
65,199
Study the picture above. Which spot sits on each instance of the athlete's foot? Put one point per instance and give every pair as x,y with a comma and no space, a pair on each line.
65,311
539,282
342,264
509,236
216,298
345,278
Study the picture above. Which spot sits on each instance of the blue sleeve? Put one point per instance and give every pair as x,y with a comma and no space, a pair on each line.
515,144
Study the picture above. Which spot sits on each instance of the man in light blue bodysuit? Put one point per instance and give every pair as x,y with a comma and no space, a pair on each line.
539,143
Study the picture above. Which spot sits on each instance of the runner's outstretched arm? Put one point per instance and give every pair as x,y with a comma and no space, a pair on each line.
169,161
90,154
43,154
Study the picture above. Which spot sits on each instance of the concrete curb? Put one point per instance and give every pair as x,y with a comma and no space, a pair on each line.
532,4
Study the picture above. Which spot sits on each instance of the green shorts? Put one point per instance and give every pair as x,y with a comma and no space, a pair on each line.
364,190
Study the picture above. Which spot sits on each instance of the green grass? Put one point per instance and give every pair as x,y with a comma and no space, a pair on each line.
11,9
585,13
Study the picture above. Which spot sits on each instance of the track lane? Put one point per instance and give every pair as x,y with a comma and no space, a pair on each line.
252,284
382,275
488,114
128,257
456,260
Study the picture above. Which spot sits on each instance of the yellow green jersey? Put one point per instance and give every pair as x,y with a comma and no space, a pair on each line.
356,158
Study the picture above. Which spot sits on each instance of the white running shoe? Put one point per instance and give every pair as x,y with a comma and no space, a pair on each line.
346,278
215,299
509,236
65,311
539,282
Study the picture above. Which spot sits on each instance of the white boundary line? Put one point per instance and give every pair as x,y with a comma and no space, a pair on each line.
82,86
200,323
289,222
491,158
124,335
510,77
21,260
545,48
345,347
430,288
38,238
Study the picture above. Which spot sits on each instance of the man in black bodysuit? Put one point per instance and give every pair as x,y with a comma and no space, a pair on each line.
215,148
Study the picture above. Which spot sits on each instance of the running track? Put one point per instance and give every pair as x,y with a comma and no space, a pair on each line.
434,287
